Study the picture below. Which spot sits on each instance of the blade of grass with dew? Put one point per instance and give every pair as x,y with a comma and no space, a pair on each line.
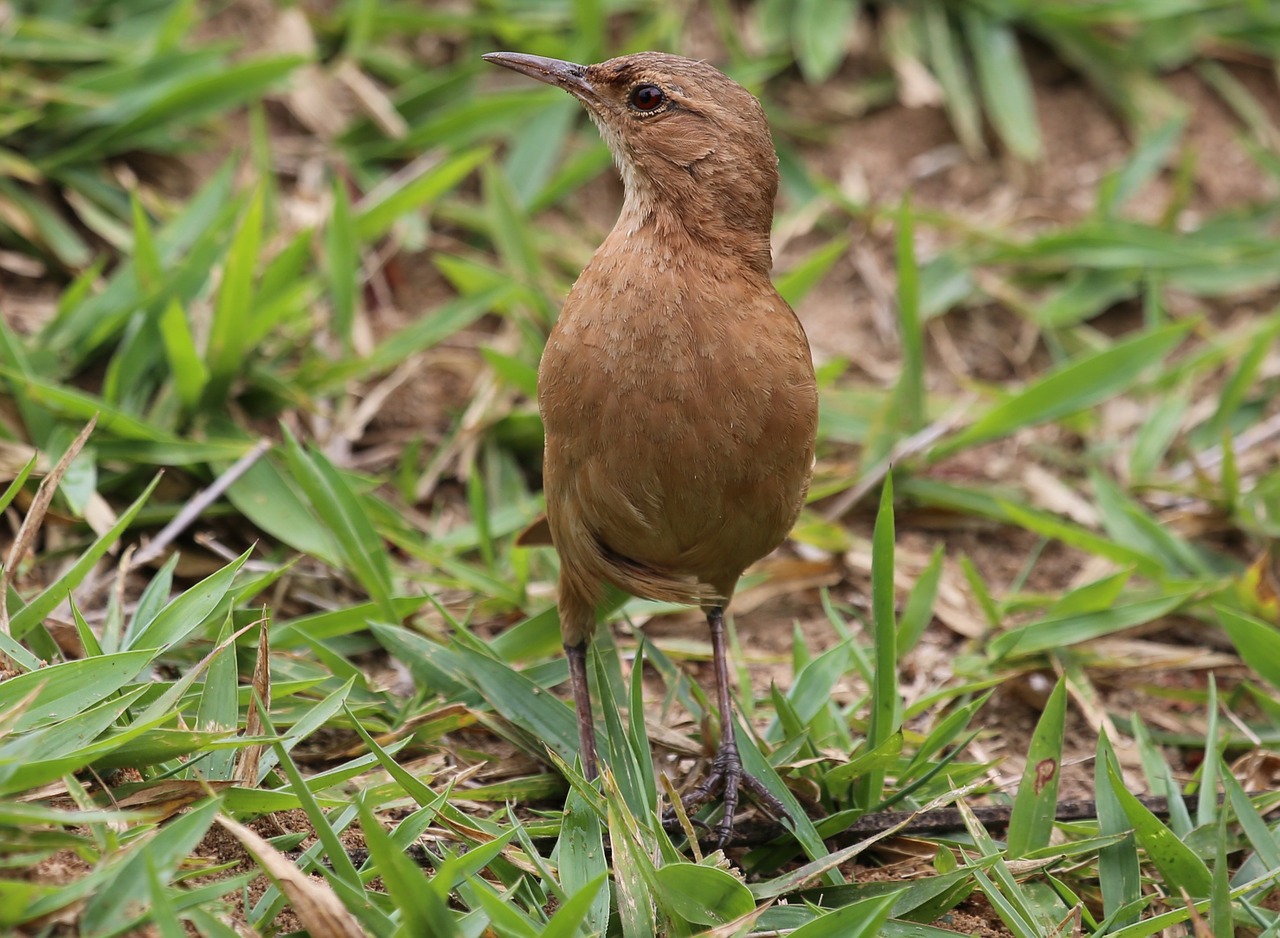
1031,821
704,895
580,855
633,870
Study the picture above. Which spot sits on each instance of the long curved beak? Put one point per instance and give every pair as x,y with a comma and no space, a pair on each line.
567,75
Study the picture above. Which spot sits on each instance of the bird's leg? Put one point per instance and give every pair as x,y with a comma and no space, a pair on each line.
577,655
727,774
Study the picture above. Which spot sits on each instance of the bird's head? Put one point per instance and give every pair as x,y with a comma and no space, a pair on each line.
688,139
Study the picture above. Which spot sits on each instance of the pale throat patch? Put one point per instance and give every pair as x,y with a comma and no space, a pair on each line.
637,200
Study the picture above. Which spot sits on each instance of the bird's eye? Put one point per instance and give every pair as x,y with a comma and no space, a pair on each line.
647,97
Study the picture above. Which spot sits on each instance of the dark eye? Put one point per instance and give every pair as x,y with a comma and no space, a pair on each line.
647,97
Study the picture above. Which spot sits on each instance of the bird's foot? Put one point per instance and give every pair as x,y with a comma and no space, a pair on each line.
727,778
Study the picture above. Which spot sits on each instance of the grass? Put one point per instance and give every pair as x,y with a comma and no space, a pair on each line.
234,597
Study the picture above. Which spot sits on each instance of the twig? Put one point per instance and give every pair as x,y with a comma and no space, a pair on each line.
198,503
916,443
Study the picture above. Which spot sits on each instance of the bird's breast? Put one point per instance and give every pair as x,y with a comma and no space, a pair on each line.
680,409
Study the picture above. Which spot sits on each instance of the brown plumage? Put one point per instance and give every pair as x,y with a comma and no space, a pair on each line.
676,388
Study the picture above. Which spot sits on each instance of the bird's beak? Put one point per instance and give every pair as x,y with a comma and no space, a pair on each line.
572,78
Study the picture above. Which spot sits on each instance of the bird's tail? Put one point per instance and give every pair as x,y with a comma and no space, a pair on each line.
650,582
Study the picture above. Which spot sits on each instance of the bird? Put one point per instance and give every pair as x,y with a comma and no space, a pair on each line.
676,387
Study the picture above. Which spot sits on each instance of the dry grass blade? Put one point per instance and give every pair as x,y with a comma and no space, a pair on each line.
164,799
35,517
251,756
320,911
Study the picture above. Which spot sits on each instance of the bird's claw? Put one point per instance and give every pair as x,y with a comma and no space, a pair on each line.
726,778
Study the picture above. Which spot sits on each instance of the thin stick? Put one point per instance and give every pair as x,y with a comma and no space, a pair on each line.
198,503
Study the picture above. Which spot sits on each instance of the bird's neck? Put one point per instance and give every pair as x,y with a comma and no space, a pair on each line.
680,217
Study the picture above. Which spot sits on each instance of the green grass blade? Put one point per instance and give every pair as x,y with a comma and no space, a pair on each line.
885,703
1076,386
338,506
1119,871
233,310
342,262
1031,823
118,898
1179,866
186,613
421,910
1258,642
34,612
1004,82
63,690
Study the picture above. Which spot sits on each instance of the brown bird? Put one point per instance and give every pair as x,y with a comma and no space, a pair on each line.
677,389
